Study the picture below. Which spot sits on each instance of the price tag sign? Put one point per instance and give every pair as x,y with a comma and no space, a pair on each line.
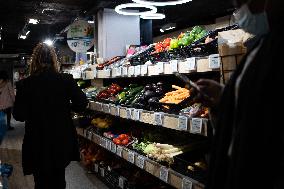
164,174
90,135
113,72
113,147
131,157
160,68
121,182
144,69
119,151
182,123
174,65
96,168
118,111
186,184
106,108
214,61
119,71
159,118
137,114
103,142
196,125
124,71
137,70
102,172
109,145
95,73
140,162
107,73
100,106
131,70
129,113
191,63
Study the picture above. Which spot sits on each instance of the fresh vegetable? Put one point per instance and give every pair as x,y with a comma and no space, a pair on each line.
176,96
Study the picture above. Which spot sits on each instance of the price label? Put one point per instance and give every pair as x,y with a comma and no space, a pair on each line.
182,123
159,118
119,151
136,114
121,182
191,63
106,108
160,68
174,65
102,172
131,157
119,71
95,73
140,162
186,184
103,142
137,70
117,111
164,174
113,147
107,72
124,71
214,61
90,135
196,125
129,113
113,72
96,168
144,69
109,145
131,70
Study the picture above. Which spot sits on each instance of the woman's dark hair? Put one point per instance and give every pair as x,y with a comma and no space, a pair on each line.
4,75
43,58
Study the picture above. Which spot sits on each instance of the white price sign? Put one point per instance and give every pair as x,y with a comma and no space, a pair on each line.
137,70
191,63
102,172
90,135
144,69
107,73
103,142
119,151
129,113
131,157
119,71
160,68
182,123
174,65
109,145
95,73
136,114
159,118
131,70
140,162
124,71
121,182
100,106
214,61
196,125
186,184
164,174
113,72
118,111
106,108
113,147
96,168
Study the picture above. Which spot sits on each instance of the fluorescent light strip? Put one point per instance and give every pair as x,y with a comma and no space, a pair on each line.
33,21
155,16
155,3
23,37
28,32
119,10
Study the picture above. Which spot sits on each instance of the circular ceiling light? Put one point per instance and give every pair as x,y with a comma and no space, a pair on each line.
156,3
119,9
155,16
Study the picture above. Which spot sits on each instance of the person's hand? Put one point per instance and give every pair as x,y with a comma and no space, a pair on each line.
212,90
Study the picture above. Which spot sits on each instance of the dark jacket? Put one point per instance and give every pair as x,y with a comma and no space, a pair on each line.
257,159
45,102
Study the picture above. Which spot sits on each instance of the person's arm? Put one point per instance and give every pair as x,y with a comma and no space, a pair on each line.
78,98
11,91
20,107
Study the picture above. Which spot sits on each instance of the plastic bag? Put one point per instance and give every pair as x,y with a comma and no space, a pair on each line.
3,125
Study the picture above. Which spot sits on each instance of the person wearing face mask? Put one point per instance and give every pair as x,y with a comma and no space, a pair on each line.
247,149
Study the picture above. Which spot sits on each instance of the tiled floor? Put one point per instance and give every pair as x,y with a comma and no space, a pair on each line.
10,152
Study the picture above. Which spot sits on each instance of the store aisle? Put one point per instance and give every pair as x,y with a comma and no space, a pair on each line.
10,152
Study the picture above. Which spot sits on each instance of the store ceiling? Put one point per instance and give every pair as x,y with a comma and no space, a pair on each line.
55,15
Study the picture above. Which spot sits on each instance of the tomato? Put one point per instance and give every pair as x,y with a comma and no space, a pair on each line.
166,42
125,142
123,136
116,141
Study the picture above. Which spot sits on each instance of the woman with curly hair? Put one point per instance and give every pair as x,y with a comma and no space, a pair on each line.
44,101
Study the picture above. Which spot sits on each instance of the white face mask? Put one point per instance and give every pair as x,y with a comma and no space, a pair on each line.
255,24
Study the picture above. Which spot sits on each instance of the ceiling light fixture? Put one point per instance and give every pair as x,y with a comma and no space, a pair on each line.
156,16
48,42
27,33
33,21
119,9
168,27
156,3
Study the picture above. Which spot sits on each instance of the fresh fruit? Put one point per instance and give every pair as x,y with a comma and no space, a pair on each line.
116,141
123,137
125,141
174,44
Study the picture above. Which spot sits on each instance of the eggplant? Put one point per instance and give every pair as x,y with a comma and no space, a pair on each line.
148,87
153,100
149,94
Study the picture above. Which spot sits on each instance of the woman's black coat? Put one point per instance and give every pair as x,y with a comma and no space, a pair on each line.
45,103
